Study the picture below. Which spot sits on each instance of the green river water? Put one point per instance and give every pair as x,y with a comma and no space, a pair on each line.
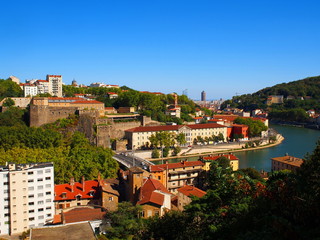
298,141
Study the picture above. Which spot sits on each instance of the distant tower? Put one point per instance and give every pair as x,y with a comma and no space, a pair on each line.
203,96
185,92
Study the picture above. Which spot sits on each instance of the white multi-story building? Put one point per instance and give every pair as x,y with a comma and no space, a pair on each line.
27,193
55,85
30,90
43,86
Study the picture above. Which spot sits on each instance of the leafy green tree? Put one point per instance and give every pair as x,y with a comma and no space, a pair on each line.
255,126
8,102
124,223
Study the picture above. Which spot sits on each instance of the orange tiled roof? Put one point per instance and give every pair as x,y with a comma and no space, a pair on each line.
65,98
289,160
148,194
191,190
79,215
229,156
87,102
89,186
162,167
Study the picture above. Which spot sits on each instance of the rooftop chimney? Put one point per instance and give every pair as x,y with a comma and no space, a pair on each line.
72,183
83,184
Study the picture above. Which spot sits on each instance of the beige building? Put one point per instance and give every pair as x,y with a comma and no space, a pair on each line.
139,136
55,85
285,162
26,196
185,193
176,175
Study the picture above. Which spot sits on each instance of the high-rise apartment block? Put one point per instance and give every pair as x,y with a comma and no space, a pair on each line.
55,85
203,96
27,193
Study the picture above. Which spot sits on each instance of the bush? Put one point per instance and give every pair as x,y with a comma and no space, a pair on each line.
155,153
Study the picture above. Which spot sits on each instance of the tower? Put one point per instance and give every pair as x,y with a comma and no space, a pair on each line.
203,96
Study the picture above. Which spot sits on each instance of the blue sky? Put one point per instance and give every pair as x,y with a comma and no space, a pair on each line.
222,47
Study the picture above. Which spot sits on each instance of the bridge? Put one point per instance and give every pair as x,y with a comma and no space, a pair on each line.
129,160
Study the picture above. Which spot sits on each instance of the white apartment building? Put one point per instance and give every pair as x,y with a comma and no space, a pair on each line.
30,90
139,136
55,85
27,194
43,86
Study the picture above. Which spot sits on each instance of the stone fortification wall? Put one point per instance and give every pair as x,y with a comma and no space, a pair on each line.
42,114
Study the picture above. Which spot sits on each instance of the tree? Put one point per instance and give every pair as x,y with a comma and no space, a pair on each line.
8,102
123,223
181,139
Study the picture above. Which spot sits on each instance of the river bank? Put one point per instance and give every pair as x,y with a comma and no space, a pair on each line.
220,149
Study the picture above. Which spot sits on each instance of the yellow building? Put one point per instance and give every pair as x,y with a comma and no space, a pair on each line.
234,161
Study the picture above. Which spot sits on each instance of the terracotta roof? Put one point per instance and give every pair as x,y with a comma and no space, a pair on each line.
42,81
110,186
54,75
65,98
152,191
83,214
66,189
213,158
240,125
191,190
162,167
112,93
197,118
174,127
109,108
289,160
87,102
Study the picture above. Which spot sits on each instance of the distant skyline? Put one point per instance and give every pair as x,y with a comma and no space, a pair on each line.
221,47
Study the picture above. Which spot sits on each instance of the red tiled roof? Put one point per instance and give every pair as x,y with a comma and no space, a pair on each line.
54,75
79,94
191,190
112,93
65,98
42,81
80,214
148,194
197,118
87,102
173,127
162,167
229,156
90,185
109,108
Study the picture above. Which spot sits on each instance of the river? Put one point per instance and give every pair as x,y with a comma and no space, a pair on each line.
298,141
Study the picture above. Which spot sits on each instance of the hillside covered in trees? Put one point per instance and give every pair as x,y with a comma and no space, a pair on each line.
301,94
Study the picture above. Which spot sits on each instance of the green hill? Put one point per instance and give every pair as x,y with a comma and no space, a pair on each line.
300,94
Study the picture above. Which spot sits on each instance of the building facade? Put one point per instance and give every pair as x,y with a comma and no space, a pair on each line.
27,192
176,175
285,162
55,85
139,136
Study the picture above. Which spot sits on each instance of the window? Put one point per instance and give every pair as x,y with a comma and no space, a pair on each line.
48,200
48,178
40,172
40,179
48,193
31,203
31,211
40,210
40,187
31,219
6,214
5,191
40,202
30,173
30,188
110,199
48,185
48,208
49,215
40,194
31,196
30,180
6,183
47,171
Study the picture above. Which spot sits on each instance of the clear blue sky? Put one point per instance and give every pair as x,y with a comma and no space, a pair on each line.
222,47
